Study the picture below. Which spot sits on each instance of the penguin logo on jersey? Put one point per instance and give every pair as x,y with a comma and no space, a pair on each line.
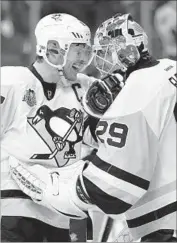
57,17
63,126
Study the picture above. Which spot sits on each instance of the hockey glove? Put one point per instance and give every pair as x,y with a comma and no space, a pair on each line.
54,189
101,94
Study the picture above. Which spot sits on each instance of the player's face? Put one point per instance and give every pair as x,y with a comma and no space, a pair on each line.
78,57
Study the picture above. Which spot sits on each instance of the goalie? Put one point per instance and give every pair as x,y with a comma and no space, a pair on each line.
134,169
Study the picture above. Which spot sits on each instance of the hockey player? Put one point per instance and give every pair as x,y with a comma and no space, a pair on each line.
42,122
134,169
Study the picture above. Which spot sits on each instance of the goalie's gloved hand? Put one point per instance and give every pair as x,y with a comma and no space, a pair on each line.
101,94
98,96
51,188
115,82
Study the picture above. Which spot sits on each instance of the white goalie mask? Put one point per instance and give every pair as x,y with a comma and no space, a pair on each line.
64,30
118,44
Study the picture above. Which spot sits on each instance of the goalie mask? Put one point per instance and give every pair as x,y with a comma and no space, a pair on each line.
60,34
118,44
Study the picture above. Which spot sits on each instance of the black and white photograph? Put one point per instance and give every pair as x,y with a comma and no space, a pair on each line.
88,121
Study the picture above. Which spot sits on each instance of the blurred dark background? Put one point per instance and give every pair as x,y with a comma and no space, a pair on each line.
18,20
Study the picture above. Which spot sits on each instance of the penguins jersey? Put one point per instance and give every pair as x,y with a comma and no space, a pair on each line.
134,170
38,129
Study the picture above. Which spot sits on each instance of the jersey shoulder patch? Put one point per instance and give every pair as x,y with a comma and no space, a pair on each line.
18,81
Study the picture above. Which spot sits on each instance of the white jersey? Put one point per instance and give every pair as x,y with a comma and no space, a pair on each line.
40,129
134,170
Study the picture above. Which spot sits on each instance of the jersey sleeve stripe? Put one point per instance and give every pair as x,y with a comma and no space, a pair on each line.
121,174
156,194
112,189
97,176
153,215
147,207
13,194
105,202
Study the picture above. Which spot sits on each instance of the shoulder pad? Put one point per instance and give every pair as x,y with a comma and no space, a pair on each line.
14,75
142,87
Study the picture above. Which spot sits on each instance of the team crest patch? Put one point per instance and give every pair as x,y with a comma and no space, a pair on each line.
30,97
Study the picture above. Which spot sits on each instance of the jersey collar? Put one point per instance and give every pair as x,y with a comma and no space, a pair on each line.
48,88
